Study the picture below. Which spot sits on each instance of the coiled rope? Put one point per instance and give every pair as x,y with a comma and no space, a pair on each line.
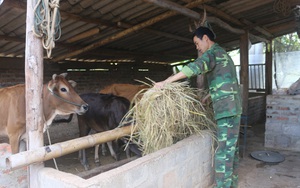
282,7
47,23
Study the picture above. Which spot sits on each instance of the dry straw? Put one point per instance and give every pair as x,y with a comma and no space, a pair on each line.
161,117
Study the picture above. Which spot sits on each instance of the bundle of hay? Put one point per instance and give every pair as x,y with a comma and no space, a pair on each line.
164,116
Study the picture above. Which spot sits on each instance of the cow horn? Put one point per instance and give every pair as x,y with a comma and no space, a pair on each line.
199,23
64,74
204,18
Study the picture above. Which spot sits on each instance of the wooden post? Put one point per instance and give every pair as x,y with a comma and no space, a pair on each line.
244,50
269,68
34,85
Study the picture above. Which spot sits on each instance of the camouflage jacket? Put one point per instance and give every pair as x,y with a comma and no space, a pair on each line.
222,81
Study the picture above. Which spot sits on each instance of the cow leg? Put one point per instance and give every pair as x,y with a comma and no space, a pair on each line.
14,143
112,151
135,149
83,159
22,146
103,149
97,161
14,133
83,131
131,147
127,152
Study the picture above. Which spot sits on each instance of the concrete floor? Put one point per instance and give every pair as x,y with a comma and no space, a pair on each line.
258,174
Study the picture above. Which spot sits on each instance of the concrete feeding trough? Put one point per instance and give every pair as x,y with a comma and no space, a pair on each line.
188,163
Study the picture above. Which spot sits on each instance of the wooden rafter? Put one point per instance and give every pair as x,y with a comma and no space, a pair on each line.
216,20
126,32
91,32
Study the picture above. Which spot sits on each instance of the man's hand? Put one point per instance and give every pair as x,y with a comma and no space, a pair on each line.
159,85
171,79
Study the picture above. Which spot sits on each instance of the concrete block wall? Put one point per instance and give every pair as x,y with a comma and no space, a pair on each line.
187,163
256,109
283,122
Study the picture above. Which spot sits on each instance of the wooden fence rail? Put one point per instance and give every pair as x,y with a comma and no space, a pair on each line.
63,148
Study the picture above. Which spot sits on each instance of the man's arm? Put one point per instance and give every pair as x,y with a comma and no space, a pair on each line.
171,79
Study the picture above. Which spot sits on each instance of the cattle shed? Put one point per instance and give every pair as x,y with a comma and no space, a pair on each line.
120,41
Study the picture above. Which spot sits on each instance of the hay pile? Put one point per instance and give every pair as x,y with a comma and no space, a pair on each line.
164,116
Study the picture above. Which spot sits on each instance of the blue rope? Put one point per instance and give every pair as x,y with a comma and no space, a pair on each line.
43,22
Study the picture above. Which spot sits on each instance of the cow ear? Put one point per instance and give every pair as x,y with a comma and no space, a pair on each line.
64,74
54,76
73,83
51,86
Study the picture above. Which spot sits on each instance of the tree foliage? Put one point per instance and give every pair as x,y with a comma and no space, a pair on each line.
287,43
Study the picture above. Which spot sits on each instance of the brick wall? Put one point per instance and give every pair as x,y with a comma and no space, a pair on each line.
92,81
283,122
12,73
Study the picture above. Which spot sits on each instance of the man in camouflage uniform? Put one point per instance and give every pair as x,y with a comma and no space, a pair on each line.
219,69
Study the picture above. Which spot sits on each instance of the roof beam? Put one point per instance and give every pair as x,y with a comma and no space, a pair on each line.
12,39
174,6
167,35
287,26
192,14
244,23
231,19
66,15
106,52
197,16
126,32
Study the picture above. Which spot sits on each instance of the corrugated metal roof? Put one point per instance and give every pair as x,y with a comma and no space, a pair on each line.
138,31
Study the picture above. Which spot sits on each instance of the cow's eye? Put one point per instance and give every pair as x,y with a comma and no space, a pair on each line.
63,89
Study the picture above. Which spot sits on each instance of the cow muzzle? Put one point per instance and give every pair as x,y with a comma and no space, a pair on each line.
83,109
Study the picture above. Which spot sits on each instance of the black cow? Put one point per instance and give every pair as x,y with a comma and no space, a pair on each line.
105,113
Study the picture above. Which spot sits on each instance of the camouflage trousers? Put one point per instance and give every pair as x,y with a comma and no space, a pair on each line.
227,153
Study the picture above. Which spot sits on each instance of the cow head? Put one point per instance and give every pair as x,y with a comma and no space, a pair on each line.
63,96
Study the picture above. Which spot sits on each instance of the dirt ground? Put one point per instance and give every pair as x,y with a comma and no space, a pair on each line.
70,163
258,174
252,173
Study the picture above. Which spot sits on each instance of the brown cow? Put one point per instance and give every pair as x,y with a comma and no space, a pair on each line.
127,91
59,98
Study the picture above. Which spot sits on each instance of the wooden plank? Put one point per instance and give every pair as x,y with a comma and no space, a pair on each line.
269,68
34,84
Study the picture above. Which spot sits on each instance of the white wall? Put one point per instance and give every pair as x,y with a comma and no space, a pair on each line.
287,68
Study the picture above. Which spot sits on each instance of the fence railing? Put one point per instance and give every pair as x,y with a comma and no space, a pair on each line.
256,76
